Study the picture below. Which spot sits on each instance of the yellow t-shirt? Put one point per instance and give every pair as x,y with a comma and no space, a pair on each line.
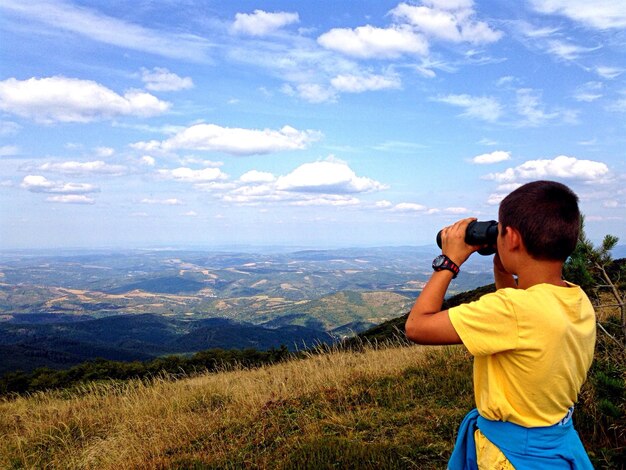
532,349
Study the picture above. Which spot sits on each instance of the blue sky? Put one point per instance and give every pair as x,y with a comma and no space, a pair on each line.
201,123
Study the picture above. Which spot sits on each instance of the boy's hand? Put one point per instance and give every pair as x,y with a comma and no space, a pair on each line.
502,277
453,242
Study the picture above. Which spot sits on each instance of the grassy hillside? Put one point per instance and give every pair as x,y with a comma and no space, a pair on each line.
384,406
375,409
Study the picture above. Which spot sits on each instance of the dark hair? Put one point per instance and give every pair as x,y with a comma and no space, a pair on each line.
546,215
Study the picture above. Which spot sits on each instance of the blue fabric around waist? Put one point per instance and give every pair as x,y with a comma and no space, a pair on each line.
548,448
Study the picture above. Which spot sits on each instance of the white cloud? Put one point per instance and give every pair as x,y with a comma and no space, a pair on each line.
254,176
40,184
161,79
9,128
495,198
333,177
534,32
609,72
334,200
529,106
566,50
618,105
611,203
234,141
73,100
8,150
361,83
104,152
487,142
162,202
370,42
148,160
481,107
562,167
409,207
83,168
600,14
106,29
262,23
311,92
493,157
447,21
456,210
187,175
71,199
590,91
397,146
323,183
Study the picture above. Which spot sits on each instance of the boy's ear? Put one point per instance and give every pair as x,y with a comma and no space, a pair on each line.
515,238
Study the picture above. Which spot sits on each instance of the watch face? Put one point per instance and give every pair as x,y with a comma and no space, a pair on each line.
438,261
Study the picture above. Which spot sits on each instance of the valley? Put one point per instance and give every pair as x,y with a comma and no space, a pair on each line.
58,309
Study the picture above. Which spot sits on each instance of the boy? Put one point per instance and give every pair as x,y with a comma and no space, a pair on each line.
532,340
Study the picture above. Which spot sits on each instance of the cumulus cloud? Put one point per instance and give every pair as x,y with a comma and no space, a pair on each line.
409,207
481,107
493,157
61,99
360,83
456,210
188,175
367,42
447,21
148,160
561,167
161,79
71,199
326,177
254,176
234,141
600,14
83,168
414,26
40,184
162,202
262,23
323,183
328,200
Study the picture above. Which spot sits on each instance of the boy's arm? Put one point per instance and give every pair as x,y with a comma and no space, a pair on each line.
426,324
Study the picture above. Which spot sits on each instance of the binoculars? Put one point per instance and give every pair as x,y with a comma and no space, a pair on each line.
480,233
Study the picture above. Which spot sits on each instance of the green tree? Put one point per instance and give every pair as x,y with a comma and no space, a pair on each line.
594,269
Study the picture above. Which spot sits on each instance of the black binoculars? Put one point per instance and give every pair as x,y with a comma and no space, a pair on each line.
480,233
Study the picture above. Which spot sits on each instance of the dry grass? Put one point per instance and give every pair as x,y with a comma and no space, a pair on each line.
385,407
210,420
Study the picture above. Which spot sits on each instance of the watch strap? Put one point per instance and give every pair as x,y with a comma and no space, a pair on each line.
445,263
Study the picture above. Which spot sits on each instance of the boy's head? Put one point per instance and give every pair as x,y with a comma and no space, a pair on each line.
547,217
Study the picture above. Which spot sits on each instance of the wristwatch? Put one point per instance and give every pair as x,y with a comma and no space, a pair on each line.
442,262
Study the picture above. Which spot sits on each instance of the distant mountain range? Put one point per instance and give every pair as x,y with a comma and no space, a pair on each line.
60,309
